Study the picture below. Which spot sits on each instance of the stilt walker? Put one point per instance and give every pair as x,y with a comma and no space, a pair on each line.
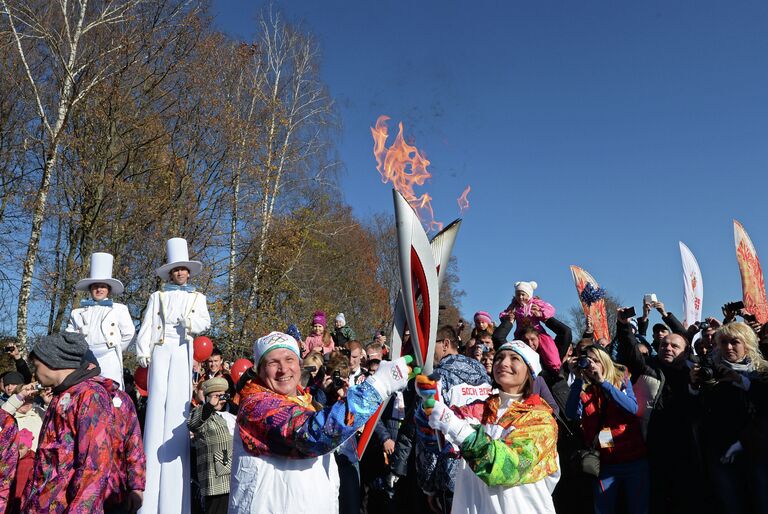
106,325
173,315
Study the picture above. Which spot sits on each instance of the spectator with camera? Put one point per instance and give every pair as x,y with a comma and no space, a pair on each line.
732,388
11,347
214,428
660,330
660,384
603,398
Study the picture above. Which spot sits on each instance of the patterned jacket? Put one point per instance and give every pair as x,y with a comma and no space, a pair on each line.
462,381
296,427
128,460
74,456
513,454
9,456
213,443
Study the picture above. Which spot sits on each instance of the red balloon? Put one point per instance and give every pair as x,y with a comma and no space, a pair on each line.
239,367
140,378
203,348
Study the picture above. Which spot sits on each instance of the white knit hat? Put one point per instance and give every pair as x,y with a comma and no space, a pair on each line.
273,341
527,287
530,357
340,317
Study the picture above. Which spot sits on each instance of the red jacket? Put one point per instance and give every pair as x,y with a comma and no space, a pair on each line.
9,455
628,443
74,455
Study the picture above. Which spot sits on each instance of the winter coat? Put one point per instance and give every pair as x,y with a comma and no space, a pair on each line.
32,420
213,443
606,407
343,335
316,341
462,381
510,463
9,456
74,455
283,446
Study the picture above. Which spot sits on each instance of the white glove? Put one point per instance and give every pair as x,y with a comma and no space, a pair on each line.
730,453
143,361
391,377
442,418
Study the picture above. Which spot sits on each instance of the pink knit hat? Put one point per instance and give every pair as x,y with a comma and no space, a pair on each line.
319,318
483,316
26,437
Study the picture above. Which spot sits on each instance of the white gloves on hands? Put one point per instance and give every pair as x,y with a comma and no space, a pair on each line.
391,377
143,360
442,418
730,453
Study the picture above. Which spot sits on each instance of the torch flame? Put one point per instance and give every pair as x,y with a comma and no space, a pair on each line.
463,202
393,163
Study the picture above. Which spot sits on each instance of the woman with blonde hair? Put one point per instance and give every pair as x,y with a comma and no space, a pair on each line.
603,399
732,387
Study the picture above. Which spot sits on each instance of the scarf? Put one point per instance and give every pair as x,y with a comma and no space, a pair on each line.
176,287
90,303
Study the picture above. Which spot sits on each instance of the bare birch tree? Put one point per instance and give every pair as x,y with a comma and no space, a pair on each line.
66,49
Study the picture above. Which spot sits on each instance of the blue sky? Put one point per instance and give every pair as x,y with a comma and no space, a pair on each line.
592,133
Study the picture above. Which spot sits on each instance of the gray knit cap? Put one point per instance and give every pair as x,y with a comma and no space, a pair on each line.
61,351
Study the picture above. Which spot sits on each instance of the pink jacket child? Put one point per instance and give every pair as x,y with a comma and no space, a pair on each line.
531,312
319,338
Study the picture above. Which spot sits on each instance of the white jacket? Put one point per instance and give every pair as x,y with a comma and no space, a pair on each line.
195,319
116,329
277,485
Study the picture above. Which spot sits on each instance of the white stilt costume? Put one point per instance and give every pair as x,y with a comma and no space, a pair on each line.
107,326
172,317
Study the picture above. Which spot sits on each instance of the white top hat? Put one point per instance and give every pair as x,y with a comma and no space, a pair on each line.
101,273
177,256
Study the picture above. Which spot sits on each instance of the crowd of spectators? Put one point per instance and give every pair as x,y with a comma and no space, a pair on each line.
677,423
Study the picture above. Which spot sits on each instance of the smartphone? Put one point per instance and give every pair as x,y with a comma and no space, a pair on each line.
650,298
735,306
627,313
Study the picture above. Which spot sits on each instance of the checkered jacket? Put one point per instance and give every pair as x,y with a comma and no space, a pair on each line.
213,444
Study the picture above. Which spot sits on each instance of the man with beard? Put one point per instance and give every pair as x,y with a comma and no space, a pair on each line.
664,402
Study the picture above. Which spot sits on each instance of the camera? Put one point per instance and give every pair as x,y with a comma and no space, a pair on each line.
583,363
10,349
225,397
338,382
704,325
707,369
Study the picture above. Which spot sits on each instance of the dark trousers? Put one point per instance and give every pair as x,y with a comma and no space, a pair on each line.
350,496
216,504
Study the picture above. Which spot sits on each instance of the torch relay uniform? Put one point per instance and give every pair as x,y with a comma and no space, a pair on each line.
508,448
9,455
283,447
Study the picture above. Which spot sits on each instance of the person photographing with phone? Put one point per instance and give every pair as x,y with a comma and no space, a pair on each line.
213,427
603,399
